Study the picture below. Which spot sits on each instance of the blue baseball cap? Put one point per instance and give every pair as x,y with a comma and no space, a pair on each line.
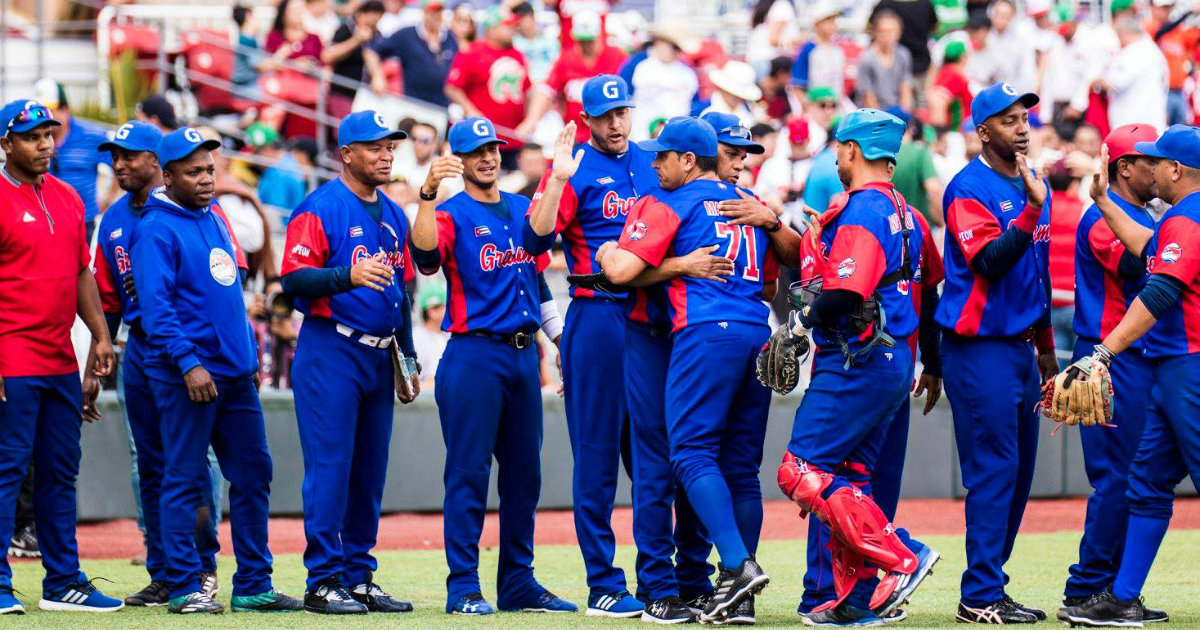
878,134
135,135
995,99
605,92
24,115
469,134
1180,143
731,131
366,126
181,143
684,134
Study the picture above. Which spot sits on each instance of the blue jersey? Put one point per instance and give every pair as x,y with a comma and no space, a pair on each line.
980,204
1102,293
1176,253
595,203
862,242
331,228
491,279
685,219
112,260
189,293
77,158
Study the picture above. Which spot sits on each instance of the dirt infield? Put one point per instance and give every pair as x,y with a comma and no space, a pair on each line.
121,539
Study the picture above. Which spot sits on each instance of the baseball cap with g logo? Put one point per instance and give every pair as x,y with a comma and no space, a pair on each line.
469,134
997,98
181,143
603,93
366,126
134,135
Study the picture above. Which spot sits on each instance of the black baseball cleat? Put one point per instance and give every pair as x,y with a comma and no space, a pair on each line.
1036,612
743,614
378,600
1104,610
1154,615
699,603
1000,611
155,594
24,543
331,598
842,616
732,587
668,611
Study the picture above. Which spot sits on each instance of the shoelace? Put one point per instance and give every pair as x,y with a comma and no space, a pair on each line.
337,593
86,587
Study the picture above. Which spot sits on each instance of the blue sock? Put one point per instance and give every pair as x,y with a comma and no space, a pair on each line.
1142,540
713,504
749,516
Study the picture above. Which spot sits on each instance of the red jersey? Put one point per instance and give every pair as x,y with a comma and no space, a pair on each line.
569,74
951,81
495,80
43,248
1179,47
566,10
1066,209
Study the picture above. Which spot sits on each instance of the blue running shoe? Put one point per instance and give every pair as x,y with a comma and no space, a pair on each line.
9,604
617,605
904,585
81,597
546,602
471,604
843,616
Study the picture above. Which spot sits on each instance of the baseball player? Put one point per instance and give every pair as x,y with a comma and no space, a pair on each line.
46,279
716,413
347,262
201,363
995,312
588,207
1107,279
137,173
488,391
1163,313
866,253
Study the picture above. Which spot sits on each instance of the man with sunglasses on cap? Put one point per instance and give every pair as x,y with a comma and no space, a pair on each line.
488,388
716,412
1163,313
138,173
997,341
347,263
46,279
1107,279
585,196
201,362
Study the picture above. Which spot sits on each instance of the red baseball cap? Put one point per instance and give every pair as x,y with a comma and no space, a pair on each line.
798,129
1121,141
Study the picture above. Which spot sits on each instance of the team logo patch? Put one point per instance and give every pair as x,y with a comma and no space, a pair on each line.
483,230
220,265
356,231
1171,253
637,231
847,268
115,234
605,180
1006,205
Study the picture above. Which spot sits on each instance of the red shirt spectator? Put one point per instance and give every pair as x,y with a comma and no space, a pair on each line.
490,79
1178,46
573,68
43,248
309,48
288,38
1066,209
566,10
951,102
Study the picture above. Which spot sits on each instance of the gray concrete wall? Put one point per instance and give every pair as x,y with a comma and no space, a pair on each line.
417,456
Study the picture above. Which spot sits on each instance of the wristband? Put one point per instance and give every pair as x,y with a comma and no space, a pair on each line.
778,226
421,193
1027,220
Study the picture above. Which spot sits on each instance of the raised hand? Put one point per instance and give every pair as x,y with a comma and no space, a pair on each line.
445,166
1100,179
566,158
1035,186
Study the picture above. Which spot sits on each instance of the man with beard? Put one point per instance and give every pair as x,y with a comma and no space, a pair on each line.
488,391
201,362
347,262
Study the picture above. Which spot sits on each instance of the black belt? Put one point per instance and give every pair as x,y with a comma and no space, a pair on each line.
658,332
1026,336
518,340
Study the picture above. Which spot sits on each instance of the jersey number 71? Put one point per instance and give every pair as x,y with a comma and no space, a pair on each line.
737,234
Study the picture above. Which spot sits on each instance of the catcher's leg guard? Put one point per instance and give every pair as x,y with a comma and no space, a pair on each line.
848,568
854,519
803,484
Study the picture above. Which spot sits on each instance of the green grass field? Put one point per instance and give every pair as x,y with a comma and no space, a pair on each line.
1038,570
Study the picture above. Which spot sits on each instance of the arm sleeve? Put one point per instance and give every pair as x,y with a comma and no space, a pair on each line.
1160,294
929,333
1131,267
830,306
310,282
404,336
428,262
649,230
544,294
1001,255
157,257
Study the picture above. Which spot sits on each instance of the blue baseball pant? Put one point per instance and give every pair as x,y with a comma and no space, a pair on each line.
1107,453
233,424
41,420
716,414
344,394
598,428
490,403
1168,453
137,401
993,386
647,355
